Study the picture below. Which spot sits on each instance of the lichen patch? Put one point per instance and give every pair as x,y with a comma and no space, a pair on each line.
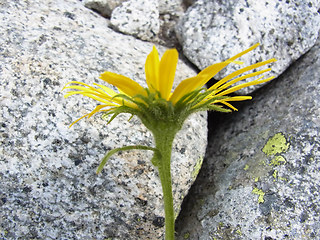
276,145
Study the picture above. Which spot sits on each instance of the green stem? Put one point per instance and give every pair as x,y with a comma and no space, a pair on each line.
163,141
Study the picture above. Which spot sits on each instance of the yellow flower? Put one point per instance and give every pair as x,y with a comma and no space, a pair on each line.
163,111
188,97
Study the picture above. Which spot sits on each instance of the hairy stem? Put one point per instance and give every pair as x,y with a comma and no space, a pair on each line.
164,142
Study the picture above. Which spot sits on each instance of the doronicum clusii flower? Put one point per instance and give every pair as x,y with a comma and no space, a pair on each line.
164,111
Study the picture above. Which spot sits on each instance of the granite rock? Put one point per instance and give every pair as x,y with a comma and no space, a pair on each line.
48,187
104,7
139,18
212,31
170,11
172,7
260,178
128,18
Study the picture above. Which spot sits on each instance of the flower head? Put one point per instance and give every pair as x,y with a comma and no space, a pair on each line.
158,102
162,110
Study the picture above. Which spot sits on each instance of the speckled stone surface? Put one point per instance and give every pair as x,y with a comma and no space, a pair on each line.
48,185
212,31
260,179
104,7
170,12
139,18
157,25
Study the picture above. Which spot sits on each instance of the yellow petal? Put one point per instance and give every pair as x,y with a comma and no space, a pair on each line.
229,105
127,85
194,83
88,89
76,82
213,69
87,92
90,95
78,120
240,71
85,89
104,95
152,70
183,88
107,90
244,52
191,84
167,71
237,98
224,86
210,72
117,100
97,109
244,85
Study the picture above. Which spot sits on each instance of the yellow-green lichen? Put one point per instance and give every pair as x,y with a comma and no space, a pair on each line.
276,145
220,226
260,193
275,174
277,160
246,167
201,202
226,231
262,163
197,168
283,179
3,232
186,236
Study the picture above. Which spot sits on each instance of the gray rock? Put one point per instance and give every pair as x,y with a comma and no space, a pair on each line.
172,7
260,179
212,31
170,11
104,7
130,16
139,18
48,187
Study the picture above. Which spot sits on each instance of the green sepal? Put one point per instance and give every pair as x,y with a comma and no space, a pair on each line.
207,103
184,100
118,110
218,108
113,117
104,160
